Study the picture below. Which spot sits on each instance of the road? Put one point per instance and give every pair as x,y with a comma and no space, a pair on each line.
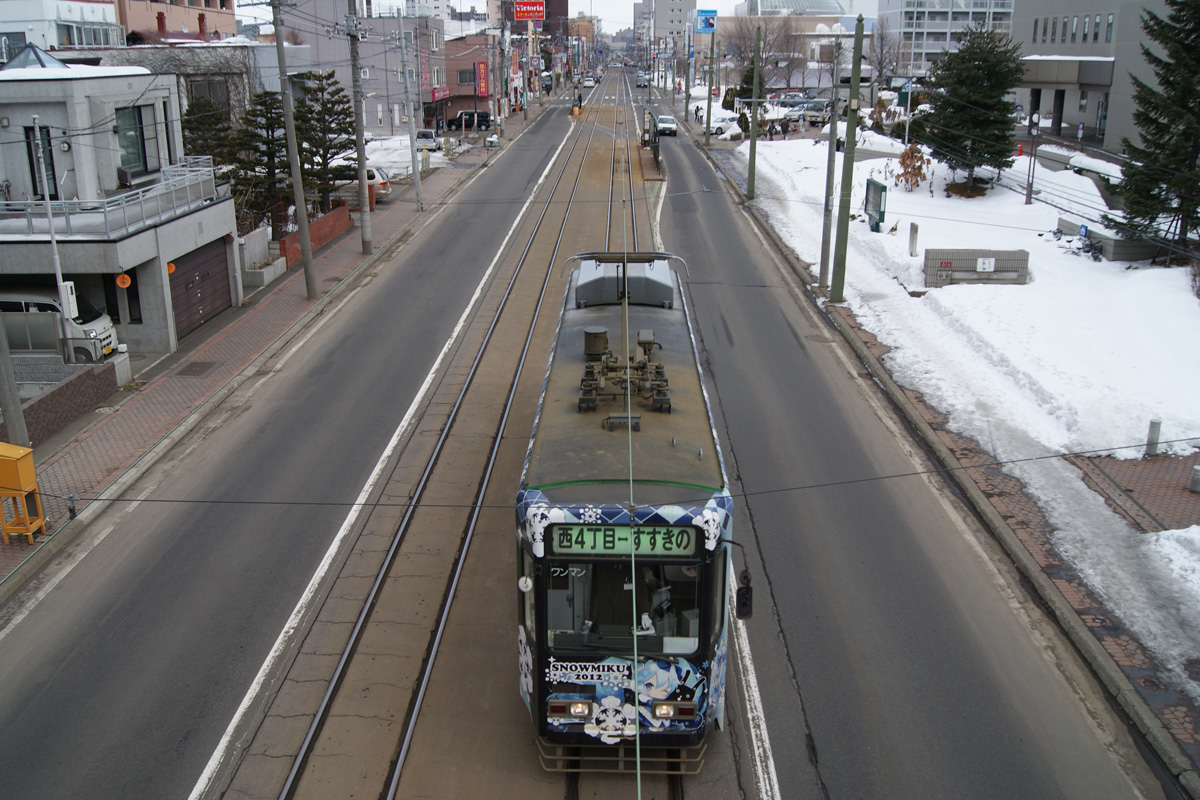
896,654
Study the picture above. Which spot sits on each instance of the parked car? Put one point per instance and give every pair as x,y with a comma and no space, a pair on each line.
722,121
427,139
817,112
90,331
667,126
471,120
377,178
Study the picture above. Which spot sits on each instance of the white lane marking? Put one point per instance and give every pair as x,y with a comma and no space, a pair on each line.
66,568
760,739
205,783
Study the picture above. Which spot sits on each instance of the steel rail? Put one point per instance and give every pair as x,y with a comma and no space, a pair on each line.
322,713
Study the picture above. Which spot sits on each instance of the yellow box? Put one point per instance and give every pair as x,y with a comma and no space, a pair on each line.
16,468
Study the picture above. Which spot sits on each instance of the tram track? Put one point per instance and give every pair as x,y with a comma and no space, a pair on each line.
326,760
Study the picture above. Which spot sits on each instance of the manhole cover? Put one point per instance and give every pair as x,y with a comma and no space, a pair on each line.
196,369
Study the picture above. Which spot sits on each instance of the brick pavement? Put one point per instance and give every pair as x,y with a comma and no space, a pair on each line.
82,463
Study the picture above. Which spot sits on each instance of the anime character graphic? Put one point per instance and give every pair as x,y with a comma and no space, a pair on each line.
663,680
537,519
524,664
710,523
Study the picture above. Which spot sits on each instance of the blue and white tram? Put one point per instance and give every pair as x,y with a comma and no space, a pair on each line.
624,523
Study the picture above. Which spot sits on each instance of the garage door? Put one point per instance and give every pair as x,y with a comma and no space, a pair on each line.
200,287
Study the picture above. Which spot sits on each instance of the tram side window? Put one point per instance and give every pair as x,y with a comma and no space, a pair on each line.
594,602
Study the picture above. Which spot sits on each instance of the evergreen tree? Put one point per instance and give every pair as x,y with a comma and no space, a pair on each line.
1161,182
207,132
261,182
325,130
970,125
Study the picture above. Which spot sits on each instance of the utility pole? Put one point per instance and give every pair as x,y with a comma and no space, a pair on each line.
360,143
836,290
289,128
68,350
827,220
712,68
410,111
754,103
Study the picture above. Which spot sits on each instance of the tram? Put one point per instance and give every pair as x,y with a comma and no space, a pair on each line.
624,526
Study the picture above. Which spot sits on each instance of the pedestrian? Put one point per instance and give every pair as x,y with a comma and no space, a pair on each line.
783,128
771,131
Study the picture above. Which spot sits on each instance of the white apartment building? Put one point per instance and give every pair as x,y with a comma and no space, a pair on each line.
926,28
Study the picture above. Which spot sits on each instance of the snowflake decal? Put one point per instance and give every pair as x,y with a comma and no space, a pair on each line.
590,516
612,721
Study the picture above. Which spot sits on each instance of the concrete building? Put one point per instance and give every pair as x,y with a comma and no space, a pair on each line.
472,71
379,59
157,20
1078,58
926,28
144,232
55,24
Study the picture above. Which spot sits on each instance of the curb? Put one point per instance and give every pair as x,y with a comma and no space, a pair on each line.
1092,652
28,570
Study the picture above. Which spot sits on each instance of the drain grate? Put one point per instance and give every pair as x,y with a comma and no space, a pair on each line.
196,369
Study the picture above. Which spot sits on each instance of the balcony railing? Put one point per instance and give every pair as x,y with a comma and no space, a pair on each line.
185,187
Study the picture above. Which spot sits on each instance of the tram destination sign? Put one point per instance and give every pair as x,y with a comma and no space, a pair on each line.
623,540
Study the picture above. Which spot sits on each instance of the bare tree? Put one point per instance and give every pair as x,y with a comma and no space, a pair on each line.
884,55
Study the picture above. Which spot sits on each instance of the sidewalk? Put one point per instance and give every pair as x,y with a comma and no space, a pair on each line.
174,392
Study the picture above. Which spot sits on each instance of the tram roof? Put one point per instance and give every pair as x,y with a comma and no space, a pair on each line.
575,458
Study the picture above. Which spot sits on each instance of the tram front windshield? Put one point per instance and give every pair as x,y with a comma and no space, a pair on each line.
598,605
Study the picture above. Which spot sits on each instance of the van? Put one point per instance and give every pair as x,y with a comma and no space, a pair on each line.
427,139
377,179
471,120
90,332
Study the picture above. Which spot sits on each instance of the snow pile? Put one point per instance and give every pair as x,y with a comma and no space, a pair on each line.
1078,360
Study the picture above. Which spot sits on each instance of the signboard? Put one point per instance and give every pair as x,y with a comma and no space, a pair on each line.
439,93
876,203
481,79
623,540
985,265
706,21
529,9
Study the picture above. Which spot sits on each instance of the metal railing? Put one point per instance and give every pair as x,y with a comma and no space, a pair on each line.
184,187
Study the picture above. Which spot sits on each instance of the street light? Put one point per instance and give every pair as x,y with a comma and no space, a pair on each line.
1032,159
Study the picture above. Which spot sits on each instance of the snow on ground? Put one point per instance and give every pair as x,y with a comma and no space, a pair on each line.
1078,360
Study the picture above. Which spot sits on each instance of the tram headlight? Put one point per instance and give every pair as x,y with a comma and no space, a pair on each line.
581,708
684,711
576,709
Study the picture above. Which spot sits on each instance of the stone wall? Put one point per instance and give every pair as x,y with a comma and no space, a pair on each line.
53,410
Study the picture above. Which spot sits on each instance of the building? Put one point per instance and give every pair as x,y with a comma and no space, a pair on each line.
379,58
156,20
144,233
55,24
472,71
926,28
1078,60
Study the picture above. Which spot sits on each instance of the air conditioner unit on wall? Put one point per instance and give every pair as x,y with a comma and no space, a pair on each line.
124,177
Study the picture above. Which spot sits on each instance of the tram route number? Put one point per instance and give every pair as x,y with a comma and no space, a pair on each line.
623,540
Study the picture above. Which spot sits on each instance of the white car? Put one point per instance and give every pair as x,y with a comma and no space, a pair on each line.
427,139
667,126
722,122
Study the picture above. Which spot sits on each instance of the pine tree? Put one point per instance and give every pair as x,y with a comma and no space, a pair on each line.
325,130
970,125
261,182
207,132
1161,182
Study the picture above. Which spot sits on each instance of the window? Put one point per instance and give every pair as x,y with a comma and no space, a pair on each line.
215,89
1064,36
1096,30
1074,28
137,138
31,150
1108,29
1083,99
1035,26
10,43
466,77
1045,29
1086,20
1054,30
